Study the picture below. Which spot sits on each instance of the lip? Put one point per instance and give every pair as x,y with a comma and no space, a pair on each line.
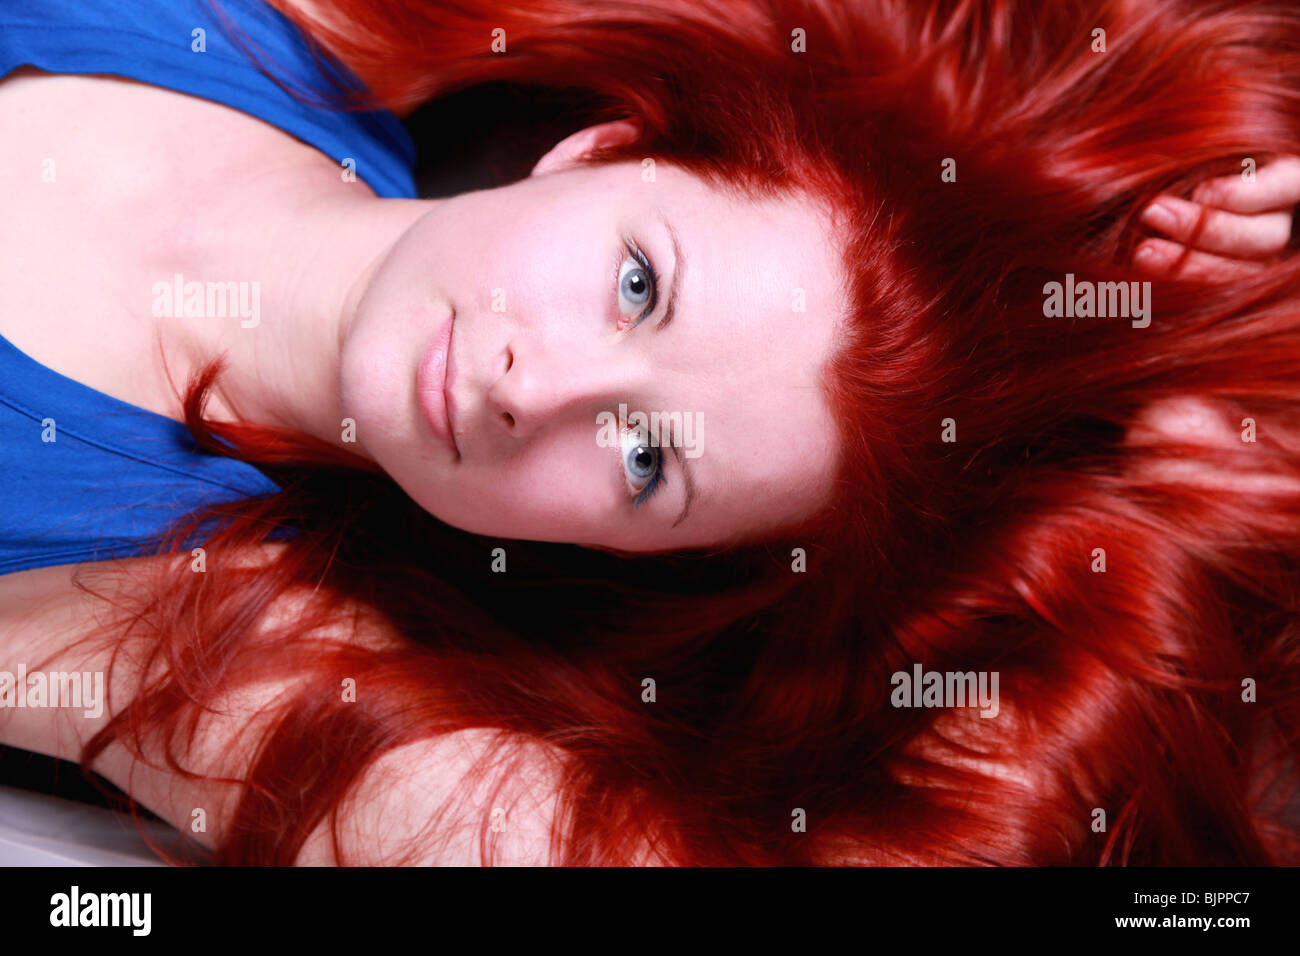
433,383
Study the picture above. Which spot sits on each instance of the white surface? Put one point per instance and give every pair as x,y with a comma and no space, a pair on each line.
40,830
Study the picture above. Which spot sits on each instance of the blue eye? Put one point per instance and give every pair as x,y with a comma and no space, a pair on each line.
642,464
637,286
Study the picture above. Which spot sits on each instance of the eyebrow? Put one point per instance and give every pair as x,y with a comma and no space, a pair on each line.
690,484
679,267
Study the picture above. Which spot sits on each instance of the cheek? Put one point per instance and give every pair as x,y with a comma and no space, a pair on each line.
490,239
555,496
372,387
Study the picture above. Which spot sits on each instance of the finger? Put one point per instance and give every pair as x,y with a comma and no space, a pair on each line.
1275,186
1260,235
1159,256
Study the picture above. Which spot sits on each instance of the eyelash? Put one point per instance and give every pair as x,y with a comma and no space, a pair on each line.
652,485
643,260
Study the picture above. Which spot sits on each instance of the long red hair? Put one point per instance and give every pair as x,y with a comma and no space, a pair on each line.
1121,690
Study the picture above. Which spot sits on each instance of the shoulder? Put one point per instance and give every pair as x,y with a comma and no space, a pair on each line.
437,802
475,797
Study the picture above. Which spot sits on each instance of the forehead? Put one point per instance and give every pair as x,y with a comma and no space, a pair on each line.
761,299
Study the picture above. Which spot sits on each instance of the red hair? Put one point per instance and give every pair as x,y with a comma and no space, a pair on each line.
1121,690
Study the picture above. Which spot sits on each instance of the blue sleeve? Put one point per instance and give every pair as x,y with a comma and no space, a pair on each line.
187,46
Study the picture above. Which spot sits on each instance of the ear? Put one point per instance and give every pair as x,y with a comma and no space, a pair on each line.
570,151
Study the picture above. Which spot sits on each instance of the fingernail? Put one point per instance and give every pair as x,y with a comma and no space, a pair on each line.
1147,252
1160,217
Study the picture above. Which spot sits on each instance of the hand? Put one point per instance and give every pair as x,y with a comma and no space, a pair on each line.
1249,224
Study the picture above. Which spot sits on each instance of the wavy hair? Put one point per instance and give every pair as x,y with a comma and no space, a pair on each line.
1121,689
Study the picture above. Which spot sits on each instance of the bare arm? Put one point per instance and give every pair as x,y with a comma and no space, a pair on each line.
42,614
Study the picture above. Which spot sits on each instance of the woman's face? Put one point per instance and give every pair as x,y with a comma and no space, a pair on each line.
555,322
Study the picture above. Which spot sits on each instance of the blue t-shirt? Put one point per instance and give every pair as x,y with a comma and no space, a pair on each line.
84,476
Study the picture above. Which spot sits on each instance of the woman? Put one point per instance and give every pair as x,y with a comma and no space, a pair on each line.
826,243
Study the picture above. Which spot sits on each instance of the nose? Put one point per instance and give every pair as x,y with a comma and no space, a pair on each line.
542,386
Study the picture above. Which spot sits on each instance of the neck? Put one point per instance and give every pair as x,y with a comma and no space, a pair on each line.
303,247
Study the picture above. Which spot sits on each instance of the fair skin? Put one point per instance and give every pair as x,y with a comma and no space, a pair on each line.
544,340
353,288
83,254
